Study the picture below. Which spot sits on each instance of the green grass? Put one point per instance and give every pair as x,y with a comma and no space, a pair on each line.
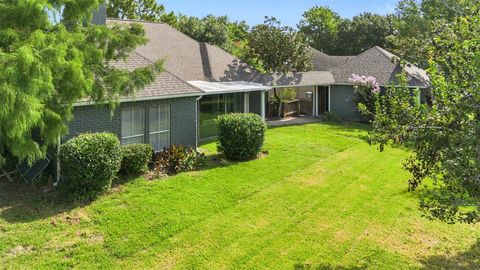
322,197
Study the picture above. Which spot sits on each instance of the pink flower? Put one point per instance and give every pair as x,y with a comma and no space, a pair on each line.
365,83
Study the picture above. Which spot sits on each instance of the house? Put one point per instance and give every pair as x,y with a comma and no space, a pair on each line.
202,81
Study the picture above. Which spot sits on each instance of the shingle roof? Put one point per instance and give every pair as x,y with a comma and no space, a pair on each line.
165,84
380,64
187,58
323,62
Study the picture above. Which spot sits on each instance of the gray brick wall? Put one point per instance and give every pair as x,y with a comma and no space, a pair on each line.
98,118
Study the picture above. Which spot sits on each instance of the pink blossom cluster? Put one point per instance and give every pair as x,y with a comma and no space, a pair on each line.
365,82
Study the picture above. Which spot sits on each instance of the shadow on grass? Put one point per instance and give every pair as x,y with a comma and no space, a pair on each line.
22,203
469,259
326,267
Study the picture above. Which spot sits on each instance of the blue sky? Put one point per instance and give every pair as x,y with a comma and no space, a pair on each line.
287,11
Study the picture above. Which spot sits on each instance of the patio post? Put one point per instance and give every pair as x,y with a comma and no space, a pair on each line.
262,104
246,102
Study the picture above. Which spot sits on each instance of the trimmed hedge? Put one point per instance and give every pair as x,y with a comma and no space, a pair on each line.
240,136
89,163
136,158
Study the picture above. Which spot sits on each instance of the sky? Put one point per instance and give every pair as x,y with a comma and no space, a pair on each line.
289,12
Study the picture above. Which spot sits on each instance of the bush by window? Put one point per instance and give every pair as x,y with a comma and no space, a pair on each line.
135,159
179,158
89,163
240,136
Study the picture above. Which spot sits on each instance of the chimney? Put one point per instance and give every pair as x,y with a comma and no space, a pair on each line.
100,15
207,69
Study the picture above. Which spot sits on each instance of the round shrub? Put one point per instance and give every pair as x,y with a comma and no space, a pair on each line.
136,158
89,163
240,136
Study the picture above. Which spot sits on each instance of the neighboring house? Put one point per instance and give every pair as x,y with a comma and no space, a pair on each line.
202,81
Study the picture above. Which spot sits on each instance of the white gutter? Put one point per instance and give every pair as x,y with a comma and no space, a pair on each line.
133,99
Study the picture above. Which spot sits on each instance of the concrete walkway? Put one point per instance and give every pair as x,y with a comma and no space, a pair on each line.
293,120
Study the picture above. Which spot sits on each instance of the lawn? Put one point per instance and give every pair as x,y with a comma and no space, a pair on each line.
322,198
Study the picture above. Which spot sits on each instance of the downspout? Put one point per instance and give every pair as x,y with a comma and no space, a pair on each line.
197,121
58,162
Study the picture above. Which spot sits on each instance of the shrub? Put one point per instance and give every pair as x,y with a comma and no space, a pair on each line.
135,159
287,95
178,158
89,163
240,136
332,117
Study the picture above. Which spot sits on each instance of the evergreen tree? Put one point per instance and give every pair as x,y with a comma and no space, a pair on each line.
47,66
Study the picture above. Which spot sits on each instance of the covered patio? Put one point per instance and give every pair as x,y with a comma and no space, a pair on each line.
312,93
227,97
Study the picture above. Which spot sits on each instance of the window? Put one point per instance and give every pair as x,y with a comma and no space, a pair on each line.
159,127
133,126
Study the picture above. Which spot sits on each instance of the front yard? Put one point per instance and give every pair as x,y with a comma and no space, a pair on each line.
322,197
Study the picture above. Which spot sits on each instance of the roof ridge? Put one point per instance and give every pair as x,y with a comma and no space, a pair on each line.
134,20
354,57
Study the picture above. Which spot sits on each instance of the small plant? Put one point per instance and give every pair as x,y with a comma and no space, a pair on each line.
332,117
287,95
89,163
135,159
240,136
179,158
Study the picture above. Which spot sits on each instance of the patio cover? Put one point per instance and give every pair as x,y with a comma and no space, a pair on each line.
212,88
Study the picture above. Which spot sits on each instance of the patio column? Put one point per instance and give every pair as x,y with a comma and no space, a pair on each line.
246,103
262,104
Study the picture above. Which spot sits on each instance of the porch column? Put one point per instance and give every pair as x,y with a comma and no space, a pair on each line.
315,101
246,103
262,104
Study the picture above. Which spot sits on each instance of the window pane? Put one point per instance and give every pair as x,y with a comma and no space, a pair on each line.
153,119
138,122
164,118
126,123
159,141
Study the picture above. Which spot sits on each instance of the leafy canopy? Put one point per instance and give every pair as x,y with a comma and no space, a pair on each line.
45,67
444,136
147,10
277,48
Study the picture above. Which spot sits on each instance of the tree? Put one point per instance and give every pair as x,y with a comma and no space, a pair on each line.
362,33
210,29
277,48
444,136
45,67
147,10
415,22
320,25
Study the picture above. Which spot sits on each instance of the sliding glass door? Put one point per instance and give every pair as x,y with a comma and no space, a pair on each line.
214,105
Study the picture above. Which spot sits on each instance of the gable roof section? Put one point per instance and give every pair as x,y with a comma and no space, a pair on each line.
380,64
323,62
165,84
187,58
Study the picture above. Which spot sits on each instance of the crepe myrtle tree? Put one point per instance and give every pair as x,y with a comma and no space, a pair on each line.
365,93
48,64
444,136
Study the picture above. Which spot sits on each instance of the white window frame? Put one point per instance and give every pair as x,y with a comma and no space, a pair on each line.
143,124
160,131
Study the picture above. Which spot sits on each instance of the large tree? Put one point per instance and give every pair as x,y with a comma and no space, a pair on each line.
47,66
362,33
147,10
278,48
320,25
415,25
210,29
443,136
